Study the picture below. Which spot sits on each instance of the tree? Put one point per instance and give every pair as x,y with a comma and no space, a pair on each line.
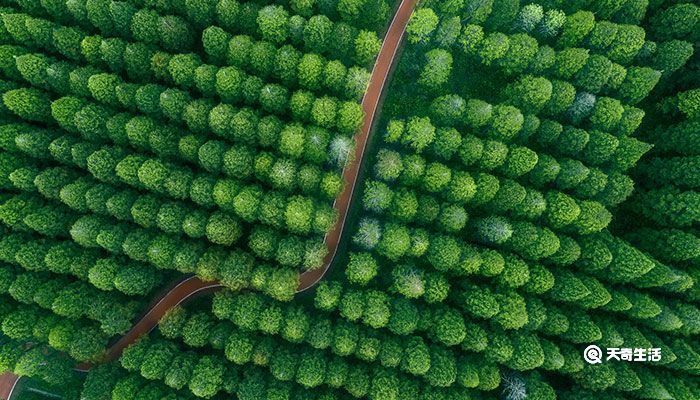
292,140
628,42
290,251
595,73
419,133
404,317
312,369
324,111
448,109
594,217
361,268
270,213
239,48
404,205
228,83
562,209
239,347
304,8
174,33
677,21
528,352
606,113
551,24
437,177
521,53
421,26
367,47
331,183
156,360
334,76
376,313
449,328
417,360
576,27
507,120
452,218
298,214
215,42
493,229
310,71
395,241
408,281
688,103
493,47
443,367
317,33
274,98
436,70
448,31
349,117
667,244
144,26
327,295
207,377
33,68
356,82
180,371
352,305
597,377
368,349
343,40
272,22
357,381
388,166
385,385
30,104
529,93
195,331
512,311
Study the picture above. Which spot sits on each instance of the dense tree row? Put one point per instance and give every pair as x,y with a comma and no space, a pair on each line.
80,339
241,348
241,126
65,258
111,382
114,164
178,106
39,362
233,268
83,194
272,23
260,58
146,211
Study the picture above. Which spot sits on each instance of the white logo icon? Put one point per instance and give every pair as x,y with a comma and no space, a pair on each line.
593,354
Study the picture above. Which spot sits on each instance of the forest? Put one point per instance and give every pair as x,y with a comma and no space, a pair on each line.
349,199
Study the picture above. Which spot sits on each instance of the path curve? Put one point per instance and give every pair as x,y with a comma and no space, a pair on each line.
191,286
8,382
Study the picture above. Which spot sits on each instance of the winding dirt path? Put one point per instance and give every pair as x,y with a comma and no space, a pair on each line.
192,286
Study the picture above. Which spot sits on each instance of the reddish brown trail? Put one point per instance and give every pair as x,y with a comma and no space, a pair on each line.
191,286
8,381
